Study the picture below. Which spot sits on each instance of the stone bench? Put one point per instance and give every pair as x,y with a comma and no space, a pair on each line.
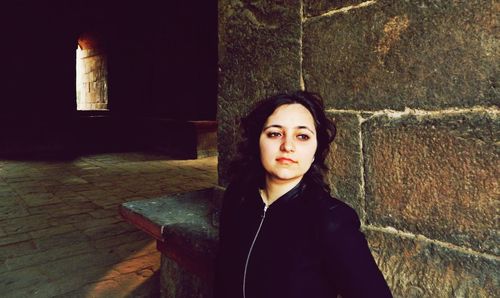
185,227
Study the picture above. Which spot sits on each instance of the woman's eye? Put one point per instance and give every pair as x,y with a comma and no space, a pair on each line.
273,134
303,137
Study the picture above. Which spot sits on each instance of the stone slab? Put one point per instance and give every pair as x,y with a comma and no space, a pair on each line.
60,240
25,224
396,54
15,238
415,267
345,161
117,240
136,249
51,231
12,281
108,230
13,211
40,199
41,257
435,175
187,216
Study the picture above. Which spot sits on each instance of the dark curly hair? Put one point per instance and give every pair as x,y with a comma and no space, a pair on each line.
247,167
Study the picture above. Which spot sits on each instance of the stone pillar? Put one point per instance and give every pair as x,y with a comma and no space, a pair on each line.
91,75
412,88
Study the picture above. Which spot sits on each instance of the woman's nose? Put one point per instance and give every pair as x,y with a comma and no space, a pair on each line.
287,145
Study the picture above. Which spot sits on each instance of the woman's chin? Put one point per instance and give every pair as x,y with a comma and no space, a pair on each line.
285,177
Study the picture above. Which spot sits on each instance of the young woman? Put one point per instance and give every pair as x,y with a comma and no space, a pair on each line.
281,233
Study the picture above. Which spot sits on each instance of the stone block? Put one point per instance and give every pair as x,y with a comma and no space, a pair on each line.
176,281
99,222
109,230
12,211
60,240
259,55
137,249
122,239
345,161
66,266
14,280
87,283
14,239
46,209
52,254
72,219
51,231
25,224
40,199
17,249
435,175
396,54
414,267
103,213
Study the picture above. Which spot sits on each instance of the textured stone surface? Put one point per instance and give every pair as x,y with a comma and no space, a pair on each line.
259,55
419,268
436,176
314,7
188,217
396,54
176,282
345,161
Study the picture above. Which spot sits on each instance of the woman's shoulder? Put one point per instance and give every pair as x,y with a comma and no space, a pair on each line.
332,212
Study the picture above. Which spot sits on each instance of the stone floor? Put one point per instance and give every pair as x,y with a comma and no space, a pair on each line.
61,235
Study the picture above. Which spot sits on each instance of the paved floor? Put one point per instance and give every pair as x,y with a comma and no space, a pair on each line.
60,233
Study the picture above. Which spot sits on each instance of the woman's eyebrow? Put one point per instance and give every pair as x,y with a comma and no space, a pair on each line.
281,127
305,127
272,125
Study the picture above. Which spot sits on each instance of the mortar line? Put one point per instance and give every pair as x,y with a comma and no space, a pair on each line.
394,231
362,170
341,10
493,110
301,53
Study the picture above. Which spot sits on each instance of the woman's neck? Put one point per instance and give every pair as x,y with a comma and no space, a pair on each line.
275,189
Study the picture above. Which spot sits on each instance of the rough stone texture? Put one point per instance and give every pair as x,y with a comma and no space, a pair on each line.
259,54
345,161
415,267
432,174
176,282
436,176
314,7
396,54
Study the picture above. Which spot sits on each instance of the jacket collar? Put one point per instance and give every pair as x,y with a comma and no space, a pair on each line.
289,196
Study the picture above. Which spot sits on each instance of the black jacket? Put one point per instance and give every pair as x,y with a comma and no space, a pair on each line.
309,245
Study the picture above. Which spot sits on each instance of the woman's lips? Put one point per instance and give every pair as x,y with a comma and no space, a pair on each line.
285,160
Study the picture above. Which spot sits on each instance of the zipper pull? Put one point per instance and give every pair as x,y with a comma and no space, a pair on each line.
265,209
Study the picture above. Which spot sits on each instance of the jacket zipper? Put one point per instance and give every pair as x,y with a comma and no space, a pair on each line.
250,250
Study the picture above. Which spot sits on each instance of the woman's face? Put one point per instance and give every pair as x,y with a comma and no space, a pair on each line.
288,143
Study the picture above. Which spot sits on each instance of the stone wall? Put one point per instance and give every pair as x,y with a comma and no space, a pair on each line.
412,88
